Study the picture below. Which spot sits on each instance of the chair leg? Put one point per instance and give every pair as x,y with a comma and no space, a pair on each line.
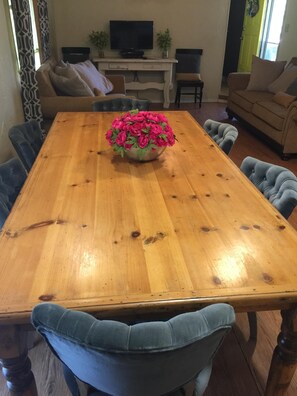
201,94
177,96
252,317
195,95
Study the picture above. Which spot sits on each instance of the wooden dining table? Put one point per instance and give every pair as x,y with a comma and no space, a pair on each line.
120,239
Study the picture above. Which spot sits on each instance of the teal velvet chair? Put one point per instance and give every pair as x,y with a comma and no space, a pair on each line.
12,178
121,104
27,140
223,134
147,359
279,186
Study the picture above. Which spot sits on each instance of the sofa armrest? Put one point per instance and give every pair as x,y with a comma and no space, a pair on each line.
289,138
50,105
118,82
238,81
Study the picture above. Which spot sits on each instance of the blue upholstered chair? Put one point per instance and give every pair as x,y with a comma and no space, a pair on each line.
12,178
147,359
223,134
121,104
27,140
279,186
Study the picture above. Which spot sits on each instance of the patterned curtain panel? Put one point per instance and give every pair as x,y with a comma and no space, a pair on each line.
22,20
45,50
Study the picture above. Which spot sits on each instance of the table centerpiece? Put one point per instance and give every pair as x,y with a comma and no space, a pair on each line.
141,135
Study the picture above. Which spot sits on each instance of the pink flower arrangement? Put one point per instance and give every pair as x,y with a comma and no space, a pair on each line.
142,130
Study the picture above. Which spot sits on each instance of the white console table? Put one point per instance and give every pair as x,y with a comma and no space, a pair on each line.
141,65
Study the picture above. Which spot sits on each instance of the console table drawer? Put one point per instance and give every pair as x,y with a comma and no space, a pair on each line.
114,66
153,66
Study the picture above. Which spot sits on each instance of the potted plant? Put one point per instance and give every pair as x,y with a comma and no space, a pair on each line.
164,42
99,40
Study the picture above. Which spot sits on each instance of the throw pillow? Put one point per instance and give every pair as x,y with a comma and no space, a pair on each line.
284,80
292,88
283,99
92,76
97,92
264,72
73,86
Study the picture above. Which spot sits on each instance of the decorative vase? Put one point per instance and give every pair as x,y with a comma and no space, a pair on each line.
165,54
101,53
138,155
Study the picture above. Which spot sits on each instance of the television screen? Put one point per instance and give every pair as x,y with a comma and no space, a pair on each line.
137,35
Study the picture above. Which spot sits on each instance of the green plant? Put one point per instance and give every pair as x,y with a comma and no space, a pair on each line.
99,39
164,40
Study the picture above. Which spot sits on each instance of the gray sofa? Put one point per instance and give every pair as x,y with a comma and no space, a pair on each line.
274,122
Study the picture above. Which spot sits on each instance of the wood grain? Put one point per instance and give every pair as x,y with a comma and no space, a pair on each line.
205,232
236,370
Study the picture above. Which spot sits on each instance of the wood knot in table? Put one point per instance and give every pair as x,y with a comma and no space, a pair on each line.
46,297
157,237
267,278
244,227
208,229
135,234
34,226
216,280
281,227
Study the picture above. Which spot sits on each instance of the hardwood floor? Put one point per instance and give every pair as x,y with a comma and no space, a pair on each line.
240,367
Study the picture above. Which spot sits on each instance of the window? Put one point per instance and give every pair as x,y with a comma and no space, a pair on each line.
33,9
272,28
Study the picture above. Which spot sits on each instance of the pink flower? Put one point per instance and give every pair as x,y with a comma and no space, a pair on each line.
140,129
143,141
121,138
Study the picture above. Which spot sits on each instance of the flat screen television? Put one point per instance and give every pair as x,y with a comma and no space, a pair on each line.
131,37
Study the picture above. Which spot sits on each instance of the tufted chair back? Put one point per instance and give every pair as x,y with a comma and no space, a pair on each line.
121,104
278,184
27,140
12,178
152,358
224,135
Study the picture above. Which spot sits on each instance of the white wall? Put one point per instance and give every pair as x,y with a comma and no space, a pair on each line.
288,44
192,23
10,100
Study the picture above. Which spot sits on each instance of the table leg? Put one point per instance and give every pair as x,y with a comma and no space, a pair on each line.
284,359
16,365
166,91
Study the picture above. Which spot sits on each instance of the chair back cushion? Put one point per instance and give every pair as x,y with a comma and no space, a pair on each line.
278,184
121,104
188,60
12,178
223,134
27,140
152,358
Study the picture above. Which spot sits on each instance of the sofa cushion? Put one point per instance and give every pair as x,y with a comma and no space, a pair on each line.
246,99
283,99
45,85
284,80
263,73
270,112
72,85
292,88
93,77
